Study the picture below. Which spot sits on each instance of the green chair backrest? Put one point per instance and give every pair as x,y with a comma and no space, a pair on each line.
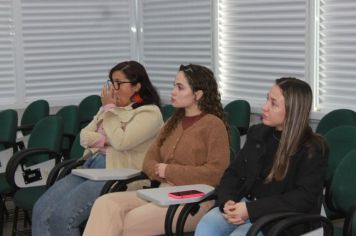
88,108
336,118
340,140
167,112
70,116
343,185
238,114
47,133
8,128
34,112
77,150
234,142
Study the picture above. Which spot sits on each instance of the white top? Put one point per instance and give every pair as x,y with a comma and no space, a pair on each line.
160,196
106,174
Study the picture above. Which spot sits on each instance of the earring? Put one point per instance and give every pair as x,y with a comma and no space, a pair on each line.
136,98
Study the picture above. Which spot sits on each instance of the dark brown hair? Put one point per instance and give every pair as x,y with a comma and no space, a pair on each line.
136,73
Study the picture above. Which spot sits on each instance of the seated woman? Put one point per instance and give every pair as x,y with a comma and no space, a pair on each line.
280,168
118,137
192,148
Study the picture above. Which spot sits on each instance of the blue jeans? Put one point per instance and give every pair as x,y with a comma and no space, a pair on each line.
66,204
214,224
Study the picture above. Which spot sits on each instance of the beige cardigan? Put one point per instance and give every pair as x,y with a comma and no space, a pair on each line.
197,155
128,131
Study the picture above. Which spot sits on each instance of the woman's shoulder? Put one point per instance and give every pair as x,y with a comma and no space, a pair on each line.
213,120
151,111
258,130
126,114
149,108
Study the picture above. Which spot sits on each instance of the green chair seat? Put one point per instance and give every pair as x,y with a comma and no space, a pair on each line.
25,198
5,188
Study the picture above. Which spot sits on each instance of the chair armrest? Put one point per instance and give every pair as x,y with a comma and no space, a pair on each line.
69,167
189,208
263,221
313,221
161,197
55,172
121,185
19,157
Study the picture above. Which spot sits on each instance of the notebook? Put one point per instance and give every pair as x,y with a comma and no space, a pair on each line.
106,174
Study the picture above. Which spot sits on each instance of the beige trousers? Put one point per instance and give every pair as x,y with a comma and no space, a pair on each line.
125,214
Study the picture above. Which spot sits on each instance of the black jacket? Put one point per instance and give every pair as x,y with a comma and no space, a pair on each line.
299,191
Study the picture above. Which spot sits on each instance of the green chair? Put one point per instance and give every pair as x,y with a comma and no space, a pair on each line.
341,194
341,197
340,140
336,118
235,142
34,112
167,112
238,114
350,221
88,108
61,169
28,169
70,116
2,212
8,127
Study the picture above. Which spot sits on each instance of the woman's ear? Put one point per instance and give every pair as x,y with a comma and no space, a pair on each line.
137,87
198,94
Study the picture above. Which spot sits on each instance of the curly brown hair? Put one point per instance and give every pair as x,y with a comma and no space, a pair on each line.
199,78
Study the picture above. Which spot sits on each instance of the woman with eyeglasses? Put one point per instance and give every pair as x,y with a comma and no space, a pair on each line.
281,167
117,137
192,148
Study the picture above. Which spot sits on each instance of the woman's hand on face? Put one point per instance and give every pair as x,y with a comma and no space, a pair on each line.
235,213
108,95
160,170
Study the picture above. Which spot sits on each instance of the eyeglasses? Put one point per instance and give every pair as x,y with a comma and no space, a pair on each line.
116,84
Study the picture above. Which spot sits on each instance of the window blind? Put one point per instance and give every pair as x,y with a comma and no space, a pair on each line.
259,41
7,58
337,55
174,33
70,46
